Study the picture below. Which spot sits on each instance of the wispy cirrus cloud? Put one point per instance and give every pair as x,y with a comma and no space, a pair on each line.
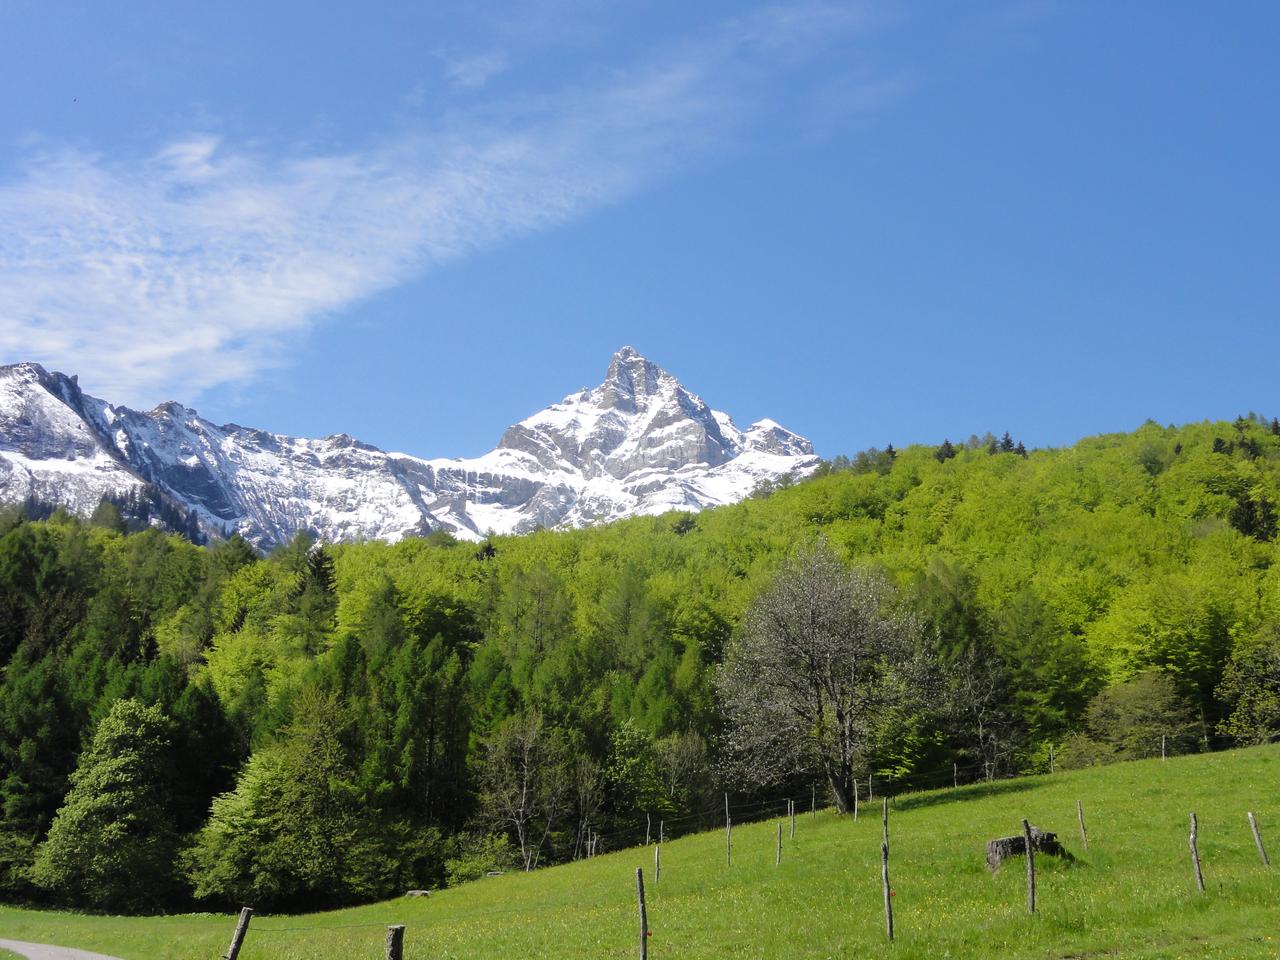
473,72
198,264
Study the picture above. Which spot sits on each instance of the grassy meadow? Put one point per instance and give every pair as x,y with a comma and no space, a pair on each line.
1130,894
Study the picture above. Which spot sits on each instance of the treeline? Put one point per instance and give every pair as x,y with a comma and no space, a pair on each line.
331,724
141,508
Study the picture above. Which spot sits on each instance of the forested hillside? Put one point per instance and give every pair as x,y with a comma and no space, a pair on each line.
331,724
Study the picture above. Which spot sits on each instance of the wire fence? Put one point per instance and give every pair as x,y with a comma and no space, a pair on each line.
870,787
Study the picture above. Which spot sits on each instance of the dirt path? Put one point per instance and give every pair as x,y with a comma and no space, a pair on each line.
42,951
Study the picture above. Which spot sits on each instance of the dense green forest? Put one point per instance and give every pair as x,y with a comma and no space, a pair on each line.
334,723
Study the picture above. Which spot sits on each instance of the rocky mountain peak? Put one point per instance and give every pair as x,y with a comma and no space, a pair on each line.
639,443
631,379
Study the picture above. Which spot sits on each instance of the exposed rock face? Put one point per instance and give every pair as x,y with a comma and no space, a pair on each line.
639,443
56,444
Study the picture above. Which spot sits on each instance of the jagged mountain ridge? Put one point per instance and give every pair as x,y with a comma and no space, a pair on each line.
639,443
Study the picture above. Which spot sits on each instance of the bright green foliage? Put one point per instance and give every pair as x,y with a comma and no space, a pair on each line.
296,829
1251,688
112,843
633,774
474,855
107,515
1043,581
1130,894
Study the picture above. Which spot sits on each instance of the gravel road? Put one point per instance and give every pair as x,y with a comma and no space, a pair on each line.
42,951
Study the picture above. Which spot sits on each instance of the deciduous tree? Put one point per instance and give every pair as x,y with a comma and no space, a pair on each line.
524,782
823,662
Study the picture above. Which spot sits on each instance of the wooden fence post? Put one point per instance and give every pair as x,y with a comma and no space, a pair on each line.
644,916
648,824
1084,834
728,844
726,809
1164,742
1195,853
395,943
855,796
1051,758
793,819
955,776
884,875
237,938
777,860
657,862
1257,839
1031,867
662,830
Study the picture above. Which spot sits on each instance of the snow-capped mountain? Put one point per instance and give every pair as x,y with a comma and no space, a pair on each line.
639,443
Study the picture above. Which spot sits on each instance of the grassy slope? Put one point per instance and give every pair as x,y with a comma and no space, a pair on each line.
1130,894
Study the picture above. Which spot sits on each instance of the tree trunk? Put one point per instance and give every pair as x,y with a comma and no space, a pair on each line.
842,793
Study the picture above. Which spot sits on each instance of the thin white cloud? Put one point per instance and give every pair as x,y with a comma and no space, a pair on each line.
201,263
473,72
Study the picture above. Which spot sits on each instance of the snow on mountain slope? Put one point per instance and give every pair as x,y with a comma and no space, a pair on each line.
54,442
639,443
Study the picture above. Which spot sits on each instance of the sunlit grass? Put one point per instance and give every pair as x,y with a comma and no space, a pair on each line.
1130,894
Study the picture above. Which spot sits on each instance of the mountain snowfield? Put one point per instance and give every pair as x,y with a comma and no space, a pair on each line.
639,443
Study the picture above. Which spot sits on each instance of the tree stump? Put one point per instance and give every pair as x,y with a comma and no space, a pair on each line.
1042,841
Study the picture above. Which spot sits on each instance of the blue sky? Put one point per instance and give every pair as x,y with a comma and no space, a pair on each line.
870,221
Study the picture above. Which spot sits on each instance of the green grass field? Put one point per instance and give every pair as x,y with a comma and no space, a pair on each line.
1131,894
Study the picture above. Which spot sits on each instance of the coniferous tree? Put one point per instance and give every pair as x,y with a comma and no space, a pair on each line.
206,753
1255,516
297,829
112,844
107,515
944,452
37,744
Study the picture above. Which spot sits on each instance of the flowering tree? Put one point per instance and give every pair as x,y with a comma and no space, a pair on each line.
823,663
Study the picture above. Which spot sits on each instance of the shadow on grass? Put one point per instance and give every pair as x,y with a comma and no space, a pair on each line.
972,791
